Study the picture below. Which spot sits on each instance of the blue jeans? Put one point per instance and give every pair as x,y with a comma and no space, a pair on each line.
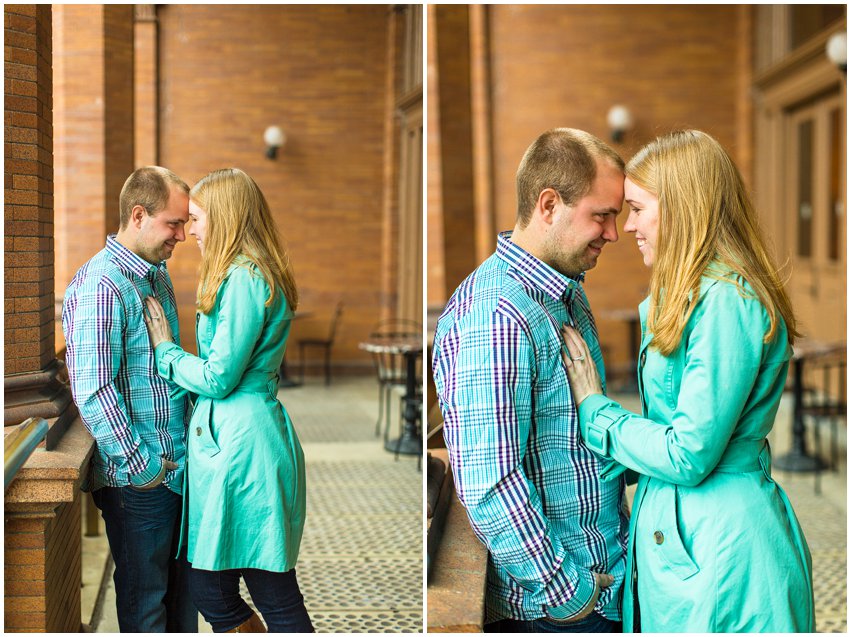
276,596
594,623
151,586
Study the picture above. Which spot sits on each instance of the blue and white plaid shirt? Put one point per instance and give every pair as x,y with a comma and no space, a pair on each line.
531,488
136,417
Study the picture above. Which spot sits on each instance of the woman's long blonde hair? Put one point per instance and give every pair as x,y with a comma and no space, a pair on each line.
239,222
705,215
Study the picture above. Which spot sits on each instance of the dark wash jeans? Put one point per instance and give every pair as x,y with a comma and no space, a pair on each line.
276,596
594,623
151,586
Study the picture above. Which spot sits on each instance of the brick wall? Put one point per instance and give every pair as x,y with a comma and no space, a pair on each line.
673,66
93,65
28,189
226,73
35,547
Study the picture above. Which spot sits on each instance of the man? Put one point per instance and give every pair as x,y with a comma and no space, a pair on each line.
137,419
555,531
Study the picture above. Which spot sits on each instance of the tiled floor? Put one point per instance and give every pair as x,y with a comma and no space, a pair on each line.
360,566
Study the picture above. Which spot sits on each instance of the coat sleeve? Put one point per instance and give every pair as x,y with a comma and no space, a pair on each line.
485,390
240,310
724,345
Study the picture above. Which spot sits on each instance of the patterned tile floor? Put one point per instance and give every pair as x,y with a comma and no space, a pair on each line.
360,566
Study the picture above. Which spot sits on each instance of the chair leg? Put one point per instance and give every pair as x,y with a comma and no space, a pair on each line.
380,408
301,362
327,366
387,395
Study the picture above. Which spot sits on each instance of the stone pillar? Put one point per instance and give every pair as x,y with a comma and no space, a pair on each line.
42,545
42,540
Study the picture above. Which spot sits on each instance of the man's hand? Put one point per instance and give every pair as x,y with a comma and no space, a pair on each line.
155,319
581,370
602,580
168,465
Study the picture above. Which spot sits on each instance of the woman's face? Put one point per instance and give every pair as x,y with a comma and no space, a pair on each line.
198,228
643,219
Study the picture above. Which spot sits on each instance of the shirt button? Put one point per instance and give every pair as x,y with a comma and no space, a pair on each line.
658,537
198,430
643,357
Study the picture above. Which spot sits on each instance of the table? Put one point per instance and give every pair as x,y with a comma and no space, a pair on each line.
631,318
798,459
410,442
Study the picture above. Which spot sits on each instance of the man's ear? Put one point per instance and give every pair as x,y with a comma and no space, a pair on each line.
137,215
546,204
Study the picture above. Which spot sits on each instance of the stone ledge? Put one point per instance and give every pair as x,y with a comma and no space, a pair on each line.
52,476
456,590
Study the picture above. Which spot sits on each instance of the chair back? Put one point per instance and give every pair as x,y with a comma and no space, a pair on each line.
335,320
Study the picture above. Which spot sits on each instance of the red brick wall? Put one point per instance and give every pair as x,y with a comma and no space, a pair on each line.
42,568
226,73
94,129
673,66
28,189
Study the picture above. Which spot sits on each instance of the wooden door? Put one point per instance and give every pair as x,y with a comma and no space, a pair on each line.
815,216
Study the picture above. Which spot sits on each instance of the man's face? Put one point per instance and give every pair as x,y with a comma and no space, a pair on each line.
579,232
161,231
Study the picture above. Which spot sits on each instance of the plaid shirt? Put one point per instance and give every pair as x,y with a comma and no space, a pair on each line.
531,488
136,417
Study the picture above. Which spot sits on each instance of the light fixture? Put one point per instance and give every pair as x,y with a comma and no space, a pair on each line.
274,138
620,121
836,50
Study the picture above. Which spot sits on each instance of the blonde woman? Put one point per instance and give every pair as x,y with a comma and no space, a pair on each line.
245,471
714,545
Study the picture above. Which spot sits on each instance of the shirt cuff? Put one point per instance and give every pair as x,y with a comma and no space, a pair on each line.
583,594
152,475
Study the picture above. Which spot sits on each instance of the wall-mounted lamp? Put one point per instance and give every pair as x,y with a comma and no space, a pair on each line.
274,138
620,121
836,50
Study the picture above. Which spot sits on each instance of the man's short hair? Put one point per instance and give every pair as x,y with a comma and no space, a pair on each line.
564,159
148,187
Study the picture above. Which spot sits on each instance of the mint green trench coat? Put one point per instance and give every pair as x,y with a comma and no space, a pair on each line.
714,545
244,497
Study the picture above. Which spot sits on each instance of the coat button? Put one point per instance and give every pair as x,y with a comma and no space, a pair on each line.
658,537
198,430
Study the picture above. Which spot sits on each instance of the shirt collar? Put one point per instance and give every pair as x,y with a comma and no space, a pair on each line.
534,271
129,260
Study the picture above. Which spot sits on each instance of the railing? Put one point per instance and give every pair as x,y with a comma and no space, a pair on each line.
19,445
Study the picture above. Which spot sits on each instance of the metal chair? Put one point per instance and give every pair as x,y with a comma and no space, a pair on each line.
824,401
390,368
322,343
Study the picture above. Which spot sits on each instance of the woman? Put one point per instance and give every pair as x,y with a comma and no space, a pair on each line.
714,545
245,469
